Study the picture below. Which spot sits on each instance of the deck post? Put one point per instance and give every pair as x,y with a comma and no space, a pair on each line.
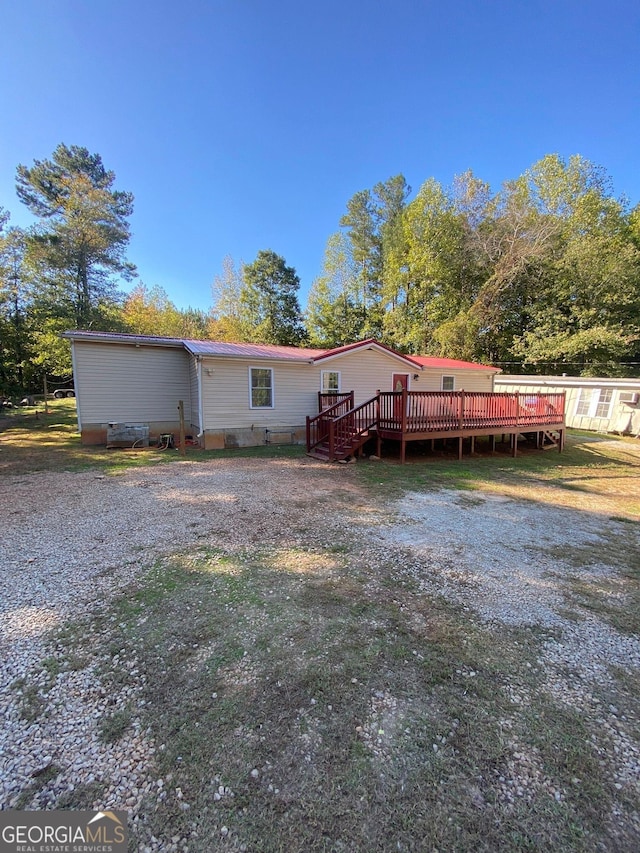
403,421
460,409
332,441
514,445
460,440
308,435
493,443
403,449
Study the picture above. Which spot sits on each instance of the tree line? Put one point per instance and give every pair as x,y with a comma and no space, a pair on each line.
543,274
546,271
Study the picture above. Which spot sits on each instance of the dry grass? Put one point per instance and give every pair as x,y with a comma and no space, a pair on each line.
31,441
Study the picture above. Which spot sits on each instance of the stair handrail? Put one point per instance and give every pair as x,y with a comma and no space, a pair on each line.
336,432
325,415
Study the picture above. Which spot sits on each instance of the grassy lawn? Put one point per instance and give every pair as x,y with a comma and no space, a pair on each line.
31,440
310,697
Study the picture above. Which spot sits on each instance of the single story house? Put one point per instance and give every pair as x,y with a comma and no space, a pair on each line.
602,405
239,394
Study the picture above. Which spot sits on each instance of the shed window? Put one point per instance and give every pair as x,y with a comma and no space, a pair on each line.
604,403
595,402
584,401
261,387
330,381
448,383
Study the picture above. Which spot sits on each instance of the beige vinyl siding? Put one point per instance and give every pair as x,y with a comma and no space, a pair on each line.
365,372
131,384
225,386
225,393
193,386
465,380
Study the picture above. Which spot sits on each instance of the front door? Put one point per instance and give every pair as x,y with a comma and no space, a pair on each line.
400,382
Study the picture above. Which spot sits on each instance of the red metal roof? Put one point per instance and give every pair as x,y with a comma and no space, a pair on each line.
270,351
451,364
245,350
121,338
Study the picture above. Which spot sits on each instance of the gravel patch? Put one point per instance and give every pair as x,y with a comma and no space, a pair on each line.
508,560
492,552
71,541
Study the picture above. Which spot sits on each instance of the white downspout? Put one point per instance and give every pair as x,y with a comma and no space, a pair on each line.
75,383
200,402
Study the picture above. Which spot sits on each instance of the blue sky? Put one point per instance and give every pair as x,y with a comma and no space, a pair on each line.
242,125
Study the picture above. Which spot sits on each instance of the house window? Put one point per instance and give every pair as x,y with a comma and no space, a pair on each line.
448,383
330,381
604,403
261,387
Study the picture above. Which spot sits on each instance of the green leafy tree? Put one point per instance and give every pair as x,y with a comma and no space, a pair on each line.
586,311
15,326
228,320
373,224
334,314
269,305
149,311
428,288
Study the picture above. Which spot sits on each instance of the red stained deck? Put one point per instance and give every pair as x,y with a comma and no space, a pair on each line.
341,429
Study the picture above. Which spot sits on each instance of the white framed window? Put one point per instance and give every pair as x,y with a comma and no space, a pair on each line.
604,403
330,381
584,401
261,387
448,383
595,402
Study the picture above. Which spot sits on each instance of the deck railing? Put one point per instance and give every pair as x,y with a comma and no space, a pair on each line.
401,414
318,426
328,399
440,411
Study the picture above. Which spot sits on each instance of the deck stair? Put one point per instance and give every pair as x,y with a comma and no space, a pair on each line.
349,446
342,429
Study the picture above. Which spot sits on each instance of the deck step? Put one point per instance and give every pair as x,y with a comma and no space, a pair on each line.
319,453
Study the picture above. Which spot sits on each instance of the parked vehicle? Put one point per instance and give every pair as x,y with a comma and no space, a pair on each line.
59,393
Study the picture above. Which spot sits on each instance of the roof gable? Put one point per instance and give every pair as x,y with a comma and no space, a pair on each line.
369,344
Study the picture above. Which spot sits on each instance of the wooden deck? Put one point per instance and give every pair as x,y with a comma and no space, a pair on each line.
342,428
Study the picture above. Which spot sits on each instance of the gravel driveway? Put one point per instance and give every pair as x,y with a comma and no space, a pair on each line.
72,540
